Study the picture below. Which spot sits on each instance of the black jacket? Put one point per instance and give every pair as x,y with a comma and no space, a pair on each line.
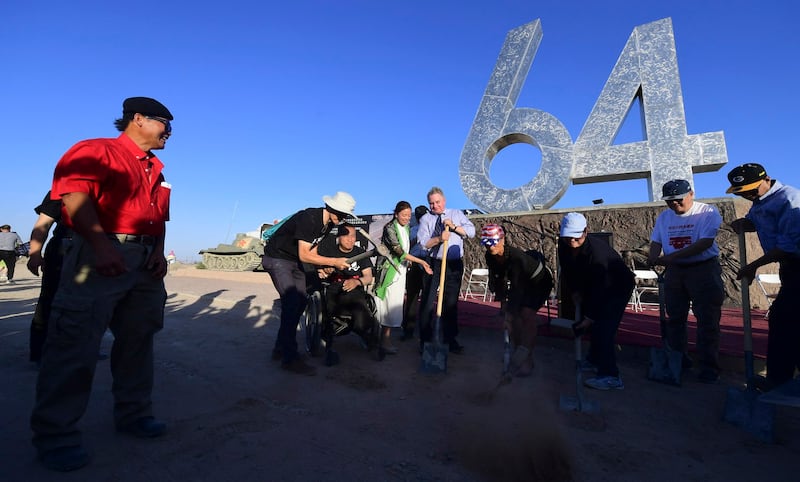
598,273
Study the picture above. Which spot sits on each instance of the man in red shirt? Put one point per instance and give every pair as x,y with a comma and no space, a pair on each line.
116,201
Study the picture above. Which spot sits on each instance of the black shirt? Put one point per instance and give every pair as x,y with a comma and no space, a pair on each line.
599,274
52,208
305,225
519,280
355,268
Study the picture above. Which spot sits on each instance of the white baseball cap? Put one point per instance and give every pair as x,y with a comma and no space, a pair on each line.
573,225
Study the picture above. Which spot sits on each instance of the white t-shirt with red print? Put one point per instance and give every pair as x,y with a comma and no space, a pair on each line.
678,231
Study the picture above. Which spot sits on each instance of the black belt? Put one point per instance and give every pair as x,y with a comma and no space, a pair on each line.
144,239
696,263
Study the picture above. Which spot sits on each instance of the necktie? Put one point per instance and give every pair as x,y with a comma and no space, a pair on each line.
437,231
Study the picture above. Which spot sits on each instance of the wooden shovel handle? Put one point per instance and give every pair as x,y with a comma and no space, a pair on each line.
746,320
441,279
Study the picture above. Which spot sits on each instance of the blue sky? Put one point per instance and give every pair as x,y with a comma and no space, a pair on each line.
279,103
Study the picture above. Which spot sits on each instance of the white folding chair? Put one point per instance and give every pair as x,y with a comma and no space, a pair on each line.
477,284
770,284
640,288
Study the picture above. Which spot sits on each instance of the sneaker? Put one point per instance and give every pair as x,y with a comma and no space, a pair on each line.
456,348
708,376
145,427
299,366
525,368
520,357
605,383
390,349
762,384
587,366
64,459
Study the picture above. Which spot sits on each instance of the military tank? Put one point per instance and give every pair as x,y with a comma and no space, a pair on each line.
244,254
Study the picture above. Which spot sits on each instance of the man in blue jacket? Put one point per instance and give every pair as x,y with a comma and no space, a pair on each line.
775,216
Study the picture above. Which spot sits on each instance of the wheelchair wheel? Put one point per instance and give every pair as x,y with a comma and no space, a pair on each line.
380,353
312,321
372,305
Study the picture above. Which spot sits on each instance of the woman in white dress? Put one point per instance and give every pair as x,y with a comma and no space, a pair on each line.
390,290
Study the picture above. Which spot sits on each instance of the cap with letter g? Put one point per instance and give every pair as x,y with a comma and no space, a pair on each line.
746,177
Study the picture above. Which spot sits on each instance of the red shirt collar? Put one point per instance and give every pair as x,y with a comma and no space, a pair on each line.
134,149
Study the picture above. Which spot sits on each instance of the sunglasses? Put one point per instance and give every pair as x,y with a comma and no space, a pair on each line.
752,193
489,242
167,125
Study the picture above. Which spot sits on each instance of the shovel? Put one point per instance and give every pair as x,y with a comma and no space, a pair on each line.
434,355
578,403
486,398
506,352
665,363
379,247
744,408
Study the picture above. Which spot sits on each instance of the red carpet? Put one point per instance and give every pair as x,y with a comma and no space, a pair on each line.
636,328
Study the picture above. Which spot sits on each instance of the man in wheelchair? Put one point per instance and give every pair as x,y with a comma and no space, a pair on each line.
347,304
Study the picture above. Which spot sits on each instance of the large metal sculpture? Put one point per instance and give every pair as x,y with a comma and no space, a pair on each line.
647,70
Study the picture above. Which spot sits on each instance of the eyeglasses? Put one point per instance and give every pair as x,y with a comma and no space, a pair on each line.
167,125
677,201
571,239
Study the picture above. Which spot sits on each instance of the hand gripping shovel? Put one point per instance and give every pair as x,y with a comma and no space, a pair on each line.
434,355
743,408
665,363
578,403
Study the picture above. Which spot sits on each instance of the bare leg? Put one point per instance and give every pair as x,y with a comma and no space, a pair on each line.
386,341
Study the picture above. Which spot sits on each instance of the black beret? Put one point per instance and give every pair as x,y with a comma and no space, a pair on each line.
145,106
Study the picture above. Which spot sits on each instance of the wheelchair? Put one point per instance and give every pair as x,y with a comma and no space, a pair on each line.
321,328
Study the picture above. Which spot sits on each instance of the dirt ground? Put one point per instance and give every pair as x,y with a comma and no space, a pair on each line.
234,415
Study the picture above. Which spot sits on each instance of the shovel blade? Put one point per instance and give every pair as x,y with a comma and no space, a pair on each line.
744,409
434,358
665,366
